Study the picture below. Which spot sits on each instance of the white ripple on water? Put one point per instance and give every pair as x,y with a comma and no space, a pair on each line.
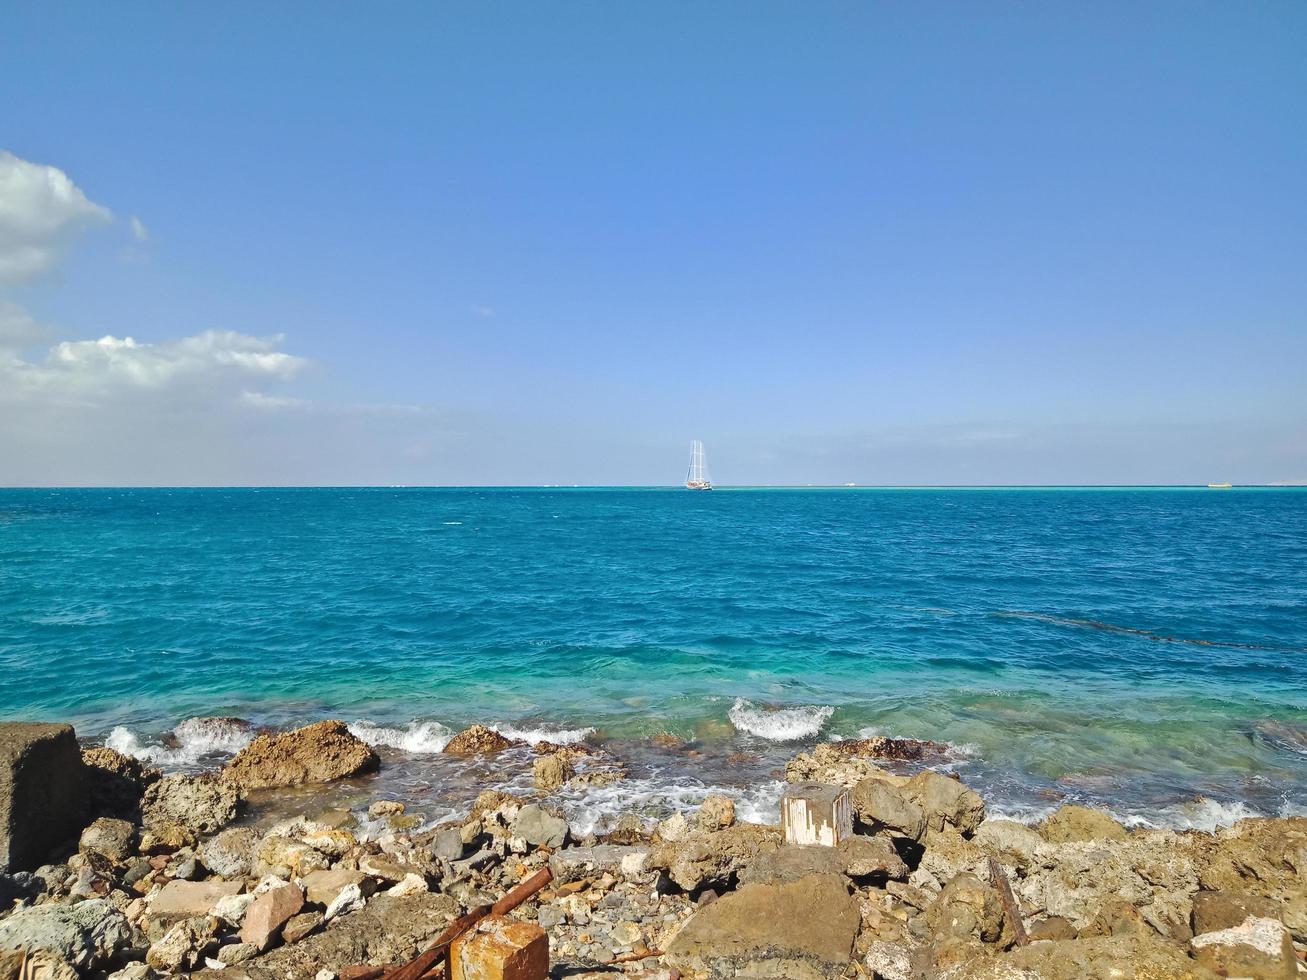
779,724
418,737
192,741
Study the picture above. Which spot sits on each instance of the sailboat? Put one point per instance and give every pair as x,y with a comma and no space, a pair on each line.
697,478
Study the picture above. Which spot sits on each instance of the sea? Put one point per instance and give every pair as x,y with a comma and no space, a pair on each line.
1140,649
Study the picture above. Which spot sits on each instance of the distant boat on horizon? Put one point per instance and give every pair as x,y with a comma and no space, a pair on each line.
697,477
1219,486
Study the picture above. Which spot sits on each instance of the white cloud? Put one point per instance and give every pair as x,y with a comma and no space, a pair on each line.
215,362
18,331
41,211
139,231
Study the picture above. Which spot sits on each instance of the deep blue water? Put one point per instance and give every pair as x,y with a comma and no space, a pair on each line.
1136,646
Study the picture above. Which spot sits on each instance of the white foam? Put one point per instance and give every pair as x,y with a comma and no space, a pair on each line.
1205,813
559,736
780,725
418,737
594,809
195,738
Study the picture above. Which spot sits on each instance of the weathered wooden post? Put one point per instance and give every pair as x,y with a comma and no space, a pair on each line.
813,813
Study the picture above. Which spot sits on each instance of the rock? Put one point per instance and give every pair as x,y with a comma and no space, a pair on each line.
871,857
115,783
17,965
714,859
790,863
539,827
269,912
478,739
1261,857
185,945
42,792
1012,843
386,868
799,930
448,844
322,887
1117,916
552,771
167,838
814,813
234,953
1050,928
186,899
334,843
1257,947
969,908
716,813
316,753
288,858
132,971
674,828
302,925
110,837
1120,958
19,886
205,803
84,934
231,852
385,808
1224,910
231,909
575,863
889,961
826,764
410,884
500,949
947,803
884,808
349,899
1079,823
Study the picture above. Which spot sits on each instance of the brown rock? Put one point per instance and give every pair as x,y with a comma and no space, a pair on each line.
552,771
300,926
316,753
269,912
322,887
188,898
1117,916
799,929
1224,910
1259,948
884,747
478,739
886,809
716,813
1053,927
115,783
1077,823
1118,957
501,949
42,792
969,908
711,859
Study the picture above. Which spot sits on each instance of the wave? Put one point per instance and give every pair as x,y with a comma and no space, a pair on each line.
779,724
194,740
594,809
558,736
417,737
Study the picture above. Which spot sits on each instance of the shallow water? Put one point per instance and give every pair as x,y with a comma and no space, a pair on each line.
1142,648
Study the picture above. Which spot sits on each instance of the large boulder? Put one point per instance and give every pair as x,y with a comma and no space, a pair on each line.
949,804
1077,823
1262,857
110,837
800,930
42,792
84,934
1257,947
317,753
204,803
886,809
115,783
713,859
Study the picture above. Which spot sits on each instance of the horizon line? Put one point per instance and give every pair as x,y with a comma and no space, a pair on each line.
1279,485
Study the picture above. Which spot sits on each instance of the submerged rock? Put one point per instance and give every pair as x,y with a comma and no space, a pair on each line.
317,753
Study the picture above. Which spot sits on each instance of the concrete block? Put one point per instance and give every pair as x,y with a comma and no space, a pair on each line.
501,949
816,814
42,792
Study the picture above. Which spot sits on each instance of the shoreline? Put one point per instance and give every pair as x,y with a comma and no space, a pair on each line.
254,870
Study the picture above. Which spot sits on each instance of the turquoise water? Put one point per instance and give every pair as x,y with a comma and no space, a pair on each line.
1140,647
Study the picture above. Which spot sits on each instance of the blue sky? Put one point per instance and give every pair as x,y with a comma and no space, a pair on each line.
551,243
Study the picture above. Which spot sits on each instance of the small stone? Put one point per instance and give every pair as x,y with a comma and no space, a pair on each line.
322,887
448,844
385,808
410,884
234,953
350,899
549,917
674,828
232,909
184,945
302,925
112,838
540,827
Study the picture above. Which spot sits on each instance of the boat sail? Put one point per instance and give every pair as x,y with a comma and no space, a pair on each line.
697,477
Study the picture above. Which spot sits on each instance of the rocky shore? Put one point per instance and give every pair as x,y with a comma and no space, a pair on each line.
115,870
